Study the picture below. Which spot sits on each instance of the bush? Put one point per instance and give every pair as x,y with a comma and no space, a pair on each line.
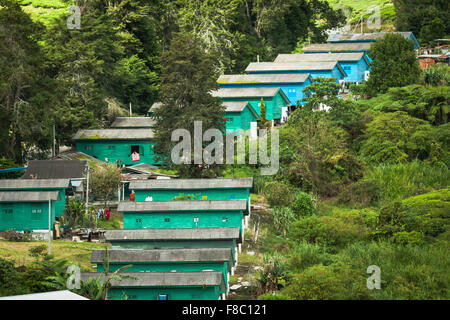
304,255
397,137
328,231
282,219
364,193
17,236
320,282
278,194
10,279
303,205
412,238
75,215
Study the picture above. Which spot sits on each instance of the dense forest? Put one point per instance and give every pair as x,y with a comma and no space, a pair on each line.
365,183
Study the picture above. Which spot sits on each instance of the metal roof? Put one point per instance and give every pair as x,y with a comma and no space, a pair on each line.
163,279
337,37
245,92
239,106
74,155
138,122
235,106
330,47
28,196
286,66
343,56
55,169
191,184
113,134
183,205
162,255
263,78
53,295
173,234
21,184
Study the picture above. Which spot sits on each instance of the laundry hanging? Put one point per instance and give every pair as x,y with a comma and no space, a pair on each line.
135,156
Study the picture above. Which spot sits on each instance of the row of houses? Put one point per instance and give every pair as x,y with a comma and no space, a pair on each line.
278,84
178,250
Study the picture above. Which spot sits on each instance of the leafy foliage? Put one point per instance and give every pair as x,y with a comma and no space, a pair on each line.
394,64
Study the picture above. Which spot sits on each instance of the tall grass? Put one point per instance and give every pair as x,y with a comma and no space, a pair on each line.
398,181
407,272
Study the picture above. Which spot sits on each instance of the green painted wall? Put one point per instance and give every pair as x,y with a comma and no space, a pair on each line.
174,293
174,244
201,194
21,216
60,205
169,267
239,121
273,104
182,219
116,150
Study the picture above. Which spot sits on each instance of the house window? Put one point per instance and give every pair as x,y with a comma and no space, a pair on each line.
138,220
134,149
204,197
111,147
167,220
163,297
232,196
88,147
225,219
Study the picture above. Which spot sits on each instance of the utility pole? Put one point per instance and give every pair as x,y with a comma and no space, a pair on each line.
49,225
257,58
130,109
54,142
87,188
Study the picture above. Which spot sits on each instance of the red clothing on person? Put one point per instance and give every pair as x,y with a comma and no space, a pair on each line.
132,197
107,213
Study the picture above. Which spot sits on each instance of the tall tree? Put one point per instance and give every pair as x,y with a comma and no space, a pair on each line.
188,77
394,64
413,15
25,91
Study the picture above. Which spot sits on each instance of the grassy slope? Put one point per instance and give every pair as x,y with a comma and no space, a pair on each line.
71,251
44,10
360,6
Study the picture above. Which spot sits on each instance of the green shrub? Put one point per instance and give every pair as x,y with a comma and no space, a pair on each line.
278,194
404,238
364,193
427,214
303,205
398,181
11,282
328,231
397,137
282,219
407,272
333,282
304,255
